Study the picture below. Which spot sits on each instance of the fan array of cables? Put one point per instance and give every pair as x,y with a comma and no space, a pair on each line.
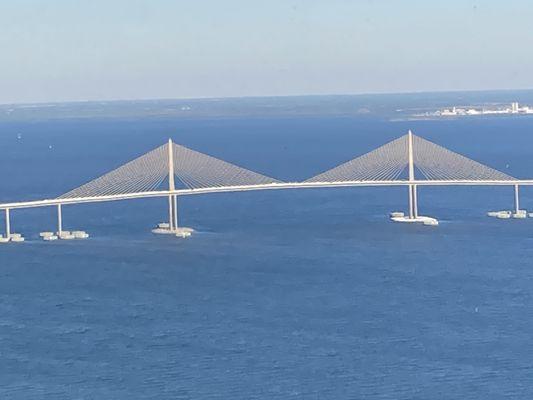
143,174
438,163
147,173
386,163
390,161
197,170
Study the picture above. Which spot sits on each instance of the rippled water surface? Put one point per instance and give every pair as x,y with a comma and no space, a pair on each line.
309,294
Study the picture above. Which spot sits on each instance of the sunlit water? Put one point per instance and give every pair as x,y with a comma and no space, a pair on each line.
308,294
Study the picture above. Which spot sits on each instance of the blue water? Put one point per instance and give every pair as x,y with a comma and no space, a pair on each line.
308,294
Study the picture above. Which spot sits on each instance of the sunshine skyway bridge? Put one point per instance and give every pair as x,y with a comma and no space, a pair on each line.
172,170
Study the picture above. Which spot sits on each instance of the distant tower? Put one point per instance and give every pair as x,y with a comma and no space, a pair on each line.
514,107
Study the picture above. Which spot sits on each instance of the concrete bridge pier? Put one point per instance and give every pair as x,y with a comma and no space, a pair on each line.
10,236
62,234
7,237
413,202
8,224
518,213
170,213
516,199
173,212
59,221
172,226
182,232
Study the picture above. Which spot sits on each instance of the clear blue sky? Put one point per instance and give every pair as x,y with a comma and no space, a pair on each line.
53,50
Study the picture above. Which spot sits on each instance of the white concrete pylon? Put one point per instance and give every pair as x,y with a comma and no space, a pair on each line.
175,212
171,186
516,199
411,167
410,156
59,220
415,201
8,224
411,212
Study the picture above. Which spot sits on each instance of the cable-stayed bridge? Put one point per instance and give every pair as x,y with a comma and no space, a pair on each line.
172,170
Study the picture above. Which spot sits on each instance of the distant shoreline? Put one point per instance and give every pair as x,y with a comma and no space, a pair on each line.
393,106
252,97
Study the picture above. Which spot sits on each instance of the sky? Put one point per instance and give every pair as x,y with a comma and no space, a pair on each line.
77,50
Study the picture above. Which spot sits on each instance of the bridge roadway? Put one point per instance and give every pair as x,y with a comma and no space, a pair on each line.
269,186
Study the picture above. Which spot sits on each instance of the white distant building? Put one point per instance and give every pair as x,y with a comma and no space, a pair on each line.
456,111
448,112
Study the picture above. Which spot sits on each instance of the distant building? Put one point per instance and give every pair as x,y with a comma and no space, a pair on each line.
458,111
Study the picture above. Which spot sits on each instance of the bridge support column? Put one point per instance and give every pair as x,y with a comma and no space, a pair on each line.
8,224
172,206
516,199
175,211
170,213
59,220
411,213
413,208
415,201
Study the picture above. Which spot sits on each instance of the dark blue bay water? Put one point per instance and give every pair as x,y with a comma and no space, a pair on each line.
309,294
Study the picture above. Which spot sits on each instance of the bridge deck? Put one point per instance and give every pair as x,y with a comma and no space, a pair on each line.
268,186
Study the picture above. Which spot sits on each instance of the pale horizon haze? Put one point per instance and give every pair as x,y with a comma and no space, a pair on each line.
62,50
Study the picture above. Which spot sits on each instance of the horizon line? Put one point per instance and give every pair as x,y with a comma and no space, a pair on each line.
153,99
